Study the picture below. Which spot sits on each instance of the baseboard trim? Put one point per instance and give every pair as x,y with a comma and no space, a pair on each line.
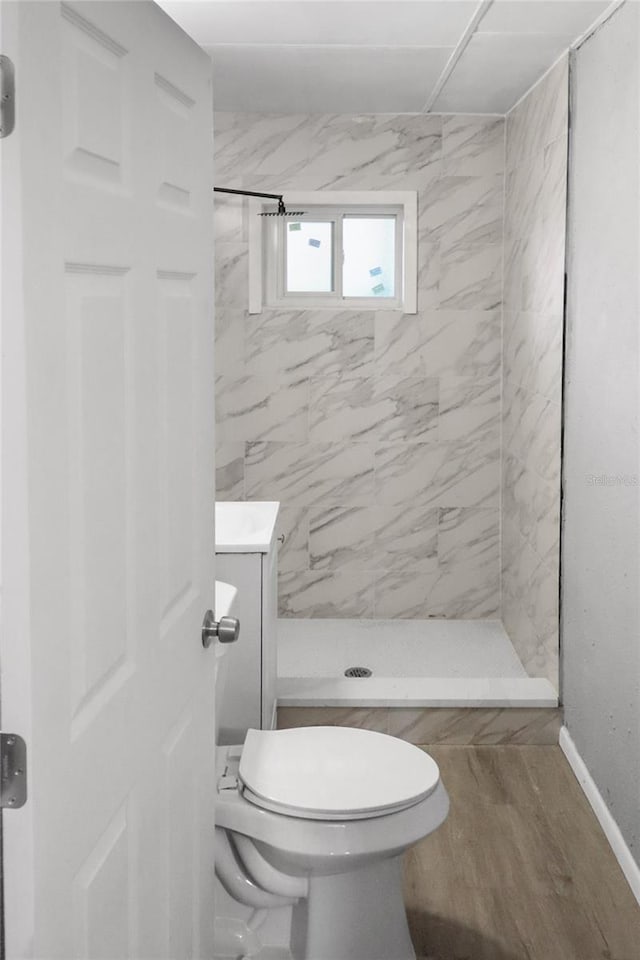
611,829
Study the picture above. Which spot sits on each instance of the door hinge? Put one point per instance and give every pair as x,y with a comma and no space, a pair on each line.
7,97
13,771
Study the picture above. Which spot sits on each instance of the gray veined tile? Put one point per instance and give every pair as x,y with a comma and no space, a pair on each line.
232,275
542,268
406,538
230,471
468,406
366,177
438,343
518,346
229,341
462,211
550,297
469,472
533,505
277,341
396,151
408,408
555,181
367,718
471,277
342,538
528,125
518,561
533,346
554,101
511,540
405,473
283,183
399,342
468,536
535,198
461,343
344,408
516,249
532,430
542,660
530,649
289,148
468,591
542,599
442,474
402,594
475,725
345,342
428,271
304,473
293,525
472,145
261,408
261,143
530,610
541,117
326,594
525,188
317,343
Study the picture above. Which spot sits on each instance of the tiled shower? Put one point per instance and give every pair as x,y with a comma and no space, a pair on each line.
416,456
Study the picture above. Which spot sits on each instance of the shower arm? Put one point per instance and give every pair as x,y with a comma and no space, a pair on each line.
248,193
282,210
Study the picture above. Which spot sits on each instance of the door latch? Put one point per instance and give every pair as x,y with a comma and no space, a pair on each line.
7,97
13,771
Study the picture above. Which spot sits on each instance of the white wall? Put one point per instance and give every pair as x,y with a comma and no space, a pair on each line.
601,622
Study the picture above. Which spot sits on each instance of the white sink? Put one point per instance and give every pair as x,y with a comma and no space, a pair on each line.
245,526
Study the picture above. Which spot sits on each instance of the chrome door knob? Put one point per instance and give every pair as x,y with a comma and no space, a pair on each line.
225,630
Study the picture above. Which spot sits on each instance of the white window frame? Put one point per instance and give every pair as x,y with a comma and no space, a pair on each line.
266,249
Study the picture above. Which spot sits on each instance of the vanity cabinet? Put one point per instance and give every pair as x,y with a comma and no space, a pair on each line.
249,694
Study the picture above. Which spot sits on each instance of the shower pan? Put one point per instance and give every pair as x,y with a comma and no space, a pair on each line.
412,663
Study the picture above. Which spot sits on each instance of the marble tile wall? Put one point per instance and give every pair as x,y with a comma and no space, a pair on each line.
428,725
378,432
535,205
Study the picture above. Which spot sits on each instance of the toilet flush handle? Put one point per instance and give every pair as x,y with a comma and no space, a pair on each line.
225,630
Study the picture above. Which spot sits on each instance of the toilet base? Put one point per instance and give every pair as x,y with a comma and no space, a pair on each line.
353,916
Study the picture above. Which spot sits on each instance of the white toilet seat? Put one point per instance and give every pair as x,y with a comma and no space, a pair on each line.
334,773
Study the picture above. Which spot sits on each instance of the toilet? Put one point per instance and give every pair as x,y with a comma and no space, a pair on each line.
316,820
311,827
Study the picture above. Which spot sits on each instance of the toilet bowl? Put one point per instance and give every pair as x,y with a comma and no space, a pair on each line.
317,819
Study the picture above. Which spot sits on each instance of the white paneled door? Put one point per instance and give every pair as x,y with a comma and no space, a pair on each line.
107,474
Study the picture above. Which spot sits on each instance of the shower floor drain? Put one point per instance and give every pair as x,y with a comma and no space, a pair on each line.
357,672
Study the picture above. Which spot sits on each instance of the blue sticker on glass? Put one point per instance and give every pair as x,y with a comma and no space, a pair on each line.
314,243
375,271
379,288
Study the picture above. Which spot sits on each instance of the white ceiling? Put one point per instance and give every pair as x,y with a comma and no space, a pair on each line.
380,56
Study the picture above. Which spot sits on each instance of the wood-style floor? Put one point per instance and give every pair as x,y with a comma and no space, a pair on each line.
521,869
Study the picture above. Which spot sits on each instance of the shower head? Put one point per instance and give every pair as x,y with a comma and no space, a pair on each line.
282,211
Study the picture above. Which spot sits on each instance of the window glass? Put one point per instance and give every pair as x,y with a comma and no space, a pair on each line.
309,264
369,256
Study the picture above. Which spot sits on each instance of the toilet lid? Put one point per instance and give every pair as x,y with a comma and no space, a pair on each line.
334,773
